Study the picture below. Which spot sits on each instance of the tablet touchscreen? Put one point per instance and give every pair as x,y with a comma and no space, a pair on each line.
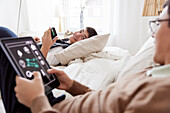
25,57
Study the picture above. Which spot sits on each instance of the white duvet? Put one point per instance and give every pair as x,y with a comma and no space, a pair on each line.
96,70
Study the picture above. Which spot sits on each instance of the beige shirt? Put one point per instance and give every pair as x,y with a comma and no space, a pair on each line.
134,94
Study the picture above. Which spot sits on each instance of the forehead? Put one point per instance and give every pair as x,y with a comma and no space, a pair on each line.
164,14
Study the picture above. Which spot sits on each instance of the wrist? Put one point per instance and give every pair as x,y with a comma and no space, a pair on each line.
70,84
35,97
44,51
45,48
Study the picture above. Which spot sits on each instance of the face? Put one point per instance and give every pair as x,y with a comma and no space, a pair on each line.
162,40
79,35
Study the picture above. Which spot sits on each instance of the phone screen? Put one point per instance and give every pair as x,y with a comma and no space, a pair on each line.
53,33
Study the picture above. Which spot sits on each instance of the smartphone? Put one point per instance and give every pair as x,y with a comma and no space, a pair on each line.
53,33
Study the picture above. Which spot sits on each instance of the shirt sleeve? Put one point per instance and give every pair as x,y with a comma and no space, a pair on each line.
91,102
41,104
78,89
153,97
140,95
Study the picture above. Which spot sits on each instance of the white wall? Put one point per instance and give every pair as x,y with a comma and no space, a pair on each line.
9,14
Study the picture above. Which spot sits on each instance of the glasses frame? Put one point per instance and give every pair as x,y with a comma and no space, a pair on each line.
157,21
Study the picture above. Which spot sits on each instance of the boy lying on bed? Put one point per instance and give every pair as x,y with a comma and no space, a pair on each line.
49,44
141,93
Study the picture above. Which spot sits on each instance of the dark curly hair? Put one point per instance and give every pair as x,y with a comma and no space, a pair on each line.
167,4
91,31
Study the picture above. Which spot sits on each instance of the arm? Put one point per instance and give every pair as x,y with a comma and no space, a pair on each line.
31,93
34,88
28,91
71,86
92,102
119,98
141,94
44,51
47,42
78,89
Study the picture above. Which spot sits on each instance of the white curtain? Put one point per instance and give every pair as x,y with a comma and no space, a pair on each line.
23,20
128,27
38,15
9,14
9,11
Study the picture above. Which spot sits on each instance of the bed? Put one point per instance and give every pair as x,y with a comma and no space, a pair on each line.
97,69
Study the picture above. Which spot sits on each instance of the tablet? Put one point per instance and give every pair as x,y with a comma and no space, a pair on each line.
25,58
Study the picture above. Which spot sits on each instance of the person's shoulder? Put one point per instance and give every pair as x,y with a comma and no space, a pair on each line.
150,93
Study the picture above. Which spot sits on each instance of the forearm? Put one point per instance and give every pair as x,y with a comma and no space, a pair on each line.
73,105
78,89
41,105
92,102
44,51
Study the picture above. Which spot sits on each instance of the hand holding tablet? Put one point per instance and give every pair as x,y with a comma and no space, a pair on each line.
25,58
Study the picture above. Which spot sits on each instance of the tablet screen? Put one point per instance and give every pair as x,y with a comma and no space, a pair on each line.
26,58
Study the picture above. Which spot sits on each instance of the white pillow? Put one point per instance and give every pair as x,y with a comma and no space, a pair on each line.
82,48
140,62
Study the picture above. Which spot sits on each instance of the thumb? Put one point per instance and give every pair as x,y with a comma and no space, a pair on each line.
21,79
37,75
55,39
51,71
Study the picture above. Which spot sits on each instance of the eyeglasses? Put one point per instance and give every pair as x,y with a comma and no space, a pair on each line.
154,25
